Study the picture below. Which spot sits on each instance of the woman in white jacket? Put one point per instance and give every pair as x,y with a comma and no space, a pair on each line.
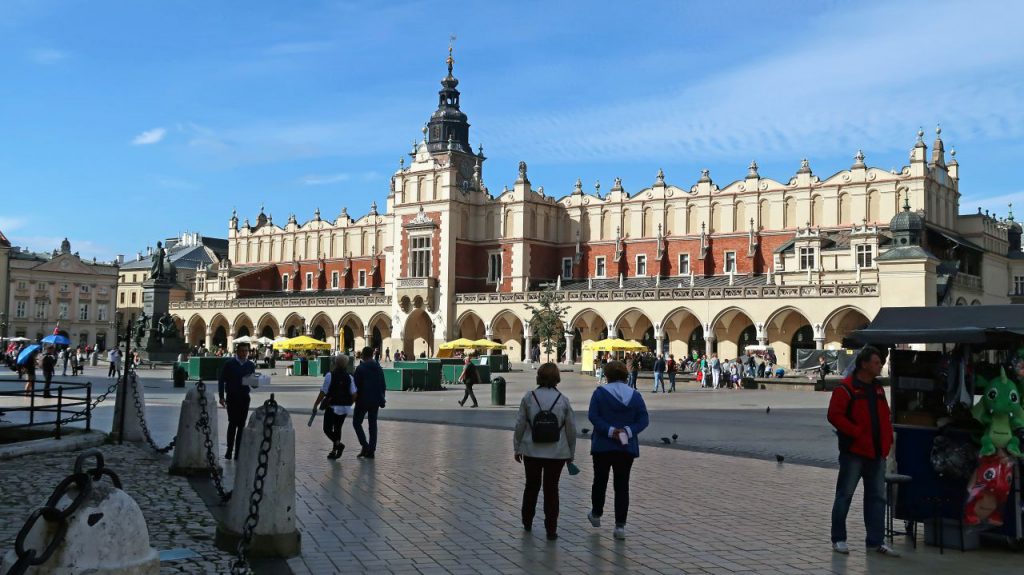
544,445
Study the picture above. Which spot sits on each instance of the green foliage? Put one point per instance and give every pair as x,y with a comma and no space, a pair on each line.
548,317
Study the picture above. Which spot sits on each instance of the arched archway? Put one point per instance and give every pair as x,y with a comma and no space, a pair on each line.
242,326
732,329
322,328
633,324
507,329
587,325
802,339
781,329
418,335
697,343
470,326
678,326
352,332
841,323
196,331
294,325
221,330
268,326
380,334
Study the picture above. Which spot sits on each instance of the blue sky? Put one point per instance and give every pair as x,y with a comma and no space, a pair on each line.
125,122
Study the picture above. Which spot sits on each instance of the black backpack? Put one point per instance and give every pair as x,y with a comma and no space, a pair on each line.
545,427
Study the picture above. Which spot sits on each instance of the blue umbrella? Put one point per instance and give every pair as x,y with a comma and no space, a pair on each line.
56,339
29,350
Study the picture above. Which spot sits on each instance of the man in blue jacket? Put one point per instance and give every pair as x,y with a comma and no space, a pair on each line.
370,390
619,415
237,401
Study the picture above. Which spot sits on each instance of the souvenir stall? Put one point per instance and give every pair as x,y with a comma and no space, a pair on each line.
958,420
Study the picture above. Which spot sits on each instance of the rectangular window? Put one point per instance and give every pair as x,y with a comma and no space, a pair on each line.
419,257
334,280
83,312
684,264
494,268
284,282
19,309
101,313
133,298
641,265
1018,285
134,278
566,268
865,255
808,259
362,278
62,310
122,298
599,269
730,262
83,288
309,280
41,286
64,288
103,290
201,284
40,310
22,284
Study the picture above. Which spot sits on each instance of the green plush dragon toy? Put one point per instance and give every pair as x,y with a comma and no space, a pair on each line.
1000,411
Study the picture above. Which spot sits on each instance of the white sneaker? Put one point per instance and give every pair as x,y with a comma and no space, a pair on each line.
841,547
620,532
884,549
595,521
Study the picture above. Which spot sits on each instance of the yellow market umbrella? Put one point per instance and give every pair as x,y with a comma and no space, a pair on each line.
461,343
302,343
486,344
616,344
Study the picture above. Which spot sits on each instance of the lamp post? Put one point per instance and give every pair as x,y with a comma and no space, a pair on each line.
3,325
122,388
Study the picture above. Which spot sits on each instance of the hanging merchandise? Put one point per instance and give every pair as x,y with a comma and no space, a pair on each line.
988,490
1017,362
999,410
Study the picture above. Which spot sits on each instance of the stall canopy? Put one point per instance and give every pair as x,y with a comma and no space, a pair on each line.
958,324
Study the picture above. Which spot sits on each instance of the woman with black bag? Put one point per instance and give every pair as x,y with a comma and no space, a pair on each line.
336,398
470,376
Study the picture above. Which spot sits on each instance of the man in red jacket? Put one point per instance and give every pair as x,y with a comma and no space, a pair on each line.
859,412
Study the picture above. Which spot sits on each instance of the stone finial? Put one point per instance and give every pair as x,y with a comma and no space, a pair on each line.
617,185
752,170
522,174
270,218
578,187
373,207
705,176
480,150
401,163
316,214
424,131
291,220
597,188
858,159
952,156
920,138
1009,216
805,167
660,179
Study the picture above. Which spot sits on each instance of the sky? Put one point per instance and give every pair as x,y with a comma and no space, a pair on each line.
125,122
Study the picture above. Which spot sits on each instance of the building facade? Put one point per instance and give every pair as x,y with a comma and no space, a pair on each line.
61,290
794,262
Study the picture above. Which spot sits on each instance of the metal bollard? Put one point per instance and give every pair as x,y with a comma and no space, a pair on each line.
190,457
261,512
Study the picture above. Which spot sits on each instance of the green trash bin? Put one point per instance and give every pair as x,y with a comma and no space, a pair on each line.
498,391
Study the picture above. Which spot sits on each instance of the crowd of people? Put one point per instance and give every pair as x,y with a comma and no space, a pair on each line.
710,372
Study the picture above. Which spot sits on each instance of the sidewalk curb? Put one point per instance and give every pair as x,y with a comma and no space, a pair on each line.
73,442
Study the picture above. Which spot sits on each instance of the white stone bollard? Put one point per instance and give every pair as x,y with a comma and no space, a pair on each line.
276,534
106,535
189,448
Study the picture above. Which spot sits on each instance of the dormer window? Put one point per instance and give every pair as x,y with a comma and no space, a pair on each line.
865,255
808,258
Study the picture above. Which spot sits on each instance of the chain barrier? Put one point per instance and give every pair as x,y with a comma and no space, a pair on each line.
241,565
142,416
82,481
203,425
103,396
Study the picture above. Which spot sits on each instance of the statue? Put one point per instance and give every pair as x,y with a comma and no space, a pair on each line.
157,270
140,327
167,329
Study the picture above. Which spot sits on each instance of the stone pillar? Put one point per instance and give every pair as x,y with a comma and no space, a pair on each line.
709,343
276,534
230,343
819,343
570,355
209,339
612,331
527,336
189,451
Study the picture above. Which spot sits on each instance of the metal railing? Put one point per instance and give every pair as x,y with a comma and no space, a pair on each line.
70,402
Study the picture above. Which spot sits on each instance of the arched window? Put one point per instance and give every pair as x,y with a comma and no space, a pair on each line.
789,213
817,210
844,209
872,211
627,223
650,223
763,215
740,218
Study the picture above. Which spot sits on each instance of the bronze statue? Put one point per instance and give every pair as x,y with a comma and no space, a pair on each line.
140,327
157,270
168,329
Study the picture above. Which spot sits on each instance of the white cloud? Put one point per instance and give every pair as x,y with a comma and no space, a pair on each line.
322,179
9,224
87,249
47,56
149,137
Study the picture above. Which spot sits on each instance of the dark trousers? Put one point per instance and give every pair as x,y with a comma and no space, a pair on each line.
110,370
47,378
357,422
542,471
619,463
469,395
332,425
238,411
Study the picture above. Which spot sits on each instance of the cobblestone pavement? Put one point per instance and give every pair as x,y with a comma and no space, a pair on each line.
174,513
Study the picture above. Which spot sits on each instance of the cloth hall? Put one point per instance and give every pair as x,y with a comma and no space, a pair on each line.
796,262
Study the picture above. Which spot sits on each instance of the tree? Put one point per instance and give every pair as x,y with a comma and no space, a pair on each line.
547,320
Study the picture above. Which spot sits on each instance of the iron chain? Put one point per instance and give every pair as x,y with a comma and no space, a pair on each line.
82,482
203,425
241,565
142,417
103,396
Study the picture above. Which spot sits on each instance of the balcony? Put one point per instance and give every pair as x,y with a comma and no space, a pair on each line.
967,281
348,298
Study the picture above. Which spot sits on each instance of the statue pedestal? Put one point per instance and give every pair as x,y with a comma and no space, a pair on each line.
156,296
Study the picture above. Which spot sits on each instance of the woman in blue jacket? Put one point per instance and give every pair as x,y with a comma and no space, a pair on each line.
619,415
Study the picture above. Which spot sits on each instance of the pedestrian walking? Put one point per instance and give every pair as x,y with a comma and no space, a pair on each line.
659,373
370,390
387,354
544,441
822,371
112,357
30,371
470,377
62,357
337,397
716,370
633,365
672,368
859,412
234,395
619,415
49,366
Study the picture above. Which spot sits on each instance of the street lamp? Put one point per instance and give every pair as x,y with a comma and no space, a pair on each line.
3,325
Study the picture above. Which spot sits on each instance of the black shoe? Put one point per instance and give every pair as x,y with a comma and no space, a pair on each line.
460,404
527,527
335,452
475,405
552,536
369,454
227,455
362,453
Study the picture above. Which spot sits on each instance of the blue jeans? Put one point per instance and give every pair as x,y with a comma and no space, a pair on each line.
851,469
659,381
672,380
357,422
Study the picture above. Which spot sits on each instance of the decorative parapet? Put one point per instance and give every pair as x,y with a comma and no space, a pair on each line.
277,302
415,283
657,294
967,281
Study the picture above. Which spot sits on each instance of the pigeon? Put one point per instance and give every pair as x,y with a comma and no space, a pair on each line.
665,440
675,436
585,431
779,458
769,410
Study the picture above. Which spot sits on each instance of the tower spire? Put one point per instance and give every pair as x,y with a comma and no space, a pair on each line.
450,60
448,128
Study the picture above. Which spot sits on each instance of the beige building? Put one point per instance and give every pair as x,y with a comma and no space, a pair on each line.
5,283
796,262
60,289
